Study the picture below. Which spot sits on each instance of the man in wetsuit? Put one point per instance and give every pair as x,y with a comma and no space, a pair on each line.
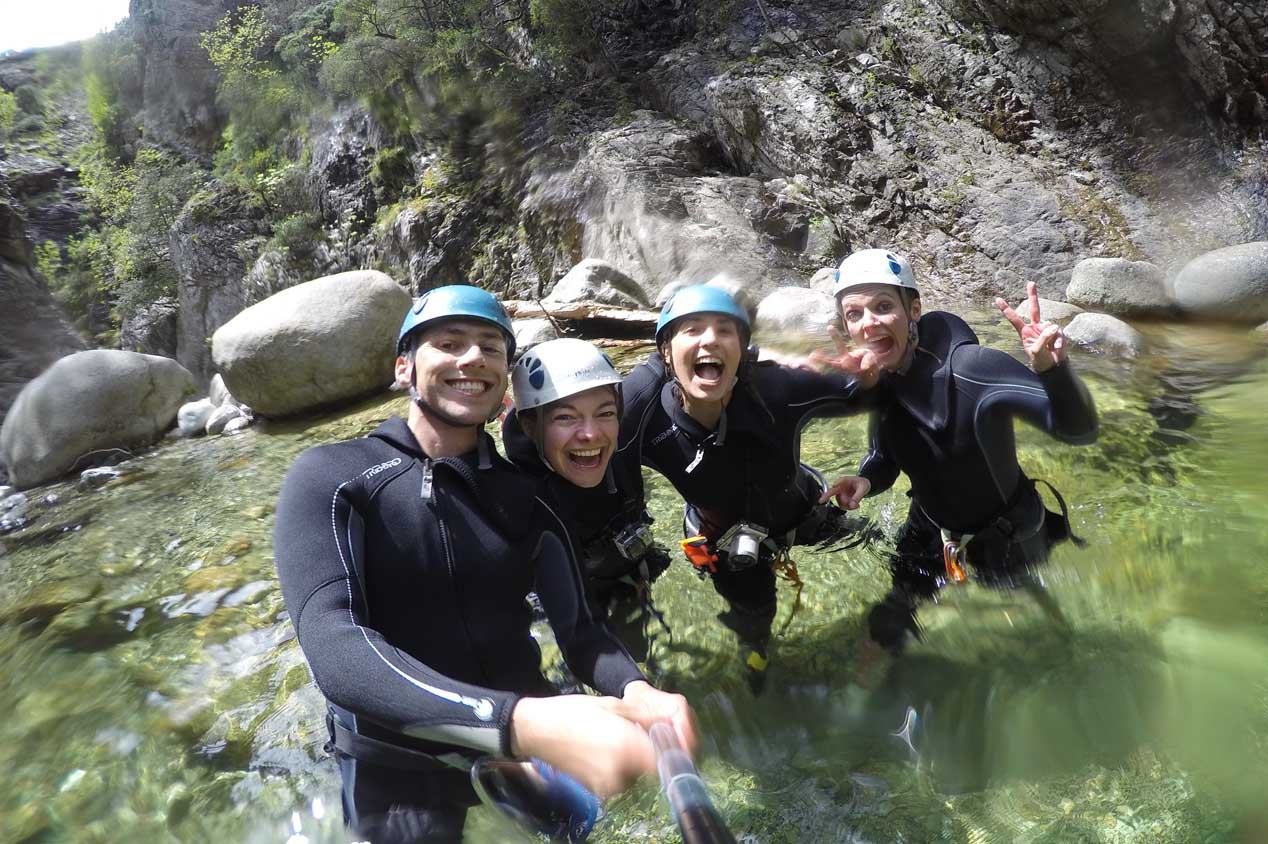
945,418
564,429
725,430
405,558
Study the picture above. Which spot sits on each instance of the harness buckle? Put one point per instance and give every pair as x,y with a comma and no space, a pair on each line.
952,551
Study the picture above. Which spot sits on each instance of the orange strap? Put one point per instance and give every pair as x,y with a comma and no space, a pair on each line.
699,554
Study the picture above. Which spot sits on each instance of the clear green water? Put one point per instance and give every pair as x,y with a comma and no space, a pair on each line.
155,692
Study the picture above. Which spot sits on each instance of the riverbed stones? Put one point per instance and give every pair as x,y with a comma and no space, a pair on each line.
222,416
1119,287
89,402
1226,284
191,419
319,343
236,426
1104,332
596,280
795,311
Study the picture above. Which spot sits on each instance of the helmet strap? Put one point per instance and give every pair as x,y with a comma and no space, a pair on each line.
913,340
417,398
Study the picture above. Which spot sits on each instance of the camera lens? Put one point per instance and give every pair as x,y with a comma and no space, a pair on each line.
744,551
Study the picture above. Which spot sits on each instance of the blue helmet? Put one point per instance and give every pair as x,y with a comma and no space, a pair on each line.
456,301
701,299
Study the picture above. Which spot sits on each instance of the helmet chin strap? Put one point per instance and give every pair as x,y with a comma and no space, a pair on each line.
482,447
913,340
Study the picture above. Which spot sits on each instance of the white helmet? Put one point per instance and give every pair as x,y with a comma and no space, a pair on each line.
874,266
557,369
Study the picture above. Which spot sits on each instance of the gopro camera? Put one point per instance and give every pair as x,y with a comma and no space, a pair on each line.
742,544
633,542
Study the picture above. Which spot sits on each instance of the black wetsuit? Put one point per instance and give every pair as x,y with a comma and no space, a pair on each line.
947,422
747,469
599,517
405,578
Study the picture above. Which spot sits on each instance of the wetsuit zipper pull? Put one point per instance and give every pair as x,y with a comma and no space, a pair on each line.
425,492
696,462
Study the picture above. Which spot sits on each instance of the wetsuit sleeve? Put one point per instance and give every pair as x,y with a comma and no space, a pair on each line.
805,394
1056,401
592,651
318,544
640,391
877,466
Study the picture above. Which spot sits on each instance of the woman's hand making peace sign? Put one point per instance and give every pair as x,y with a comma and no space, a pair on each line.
1043,342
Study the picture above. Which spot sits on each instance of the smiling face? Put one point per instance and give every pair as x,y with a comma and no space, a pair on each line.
579,435
460,370
704,354
877,321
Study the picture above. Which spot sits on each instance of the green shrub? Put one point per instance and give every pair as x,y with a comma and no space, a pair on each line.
8,112
298,234
390,172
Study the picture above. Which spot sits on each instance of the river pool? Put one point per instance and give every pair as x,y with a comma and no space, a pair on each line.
156,692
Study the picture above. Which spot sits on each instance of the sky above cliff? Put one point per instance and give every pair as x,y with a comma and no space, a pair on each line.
45,23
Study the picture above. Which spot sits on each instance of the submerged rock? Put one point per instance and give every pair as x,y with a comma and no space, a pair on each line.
97,476
89,402
318,343
1104,332
1227,284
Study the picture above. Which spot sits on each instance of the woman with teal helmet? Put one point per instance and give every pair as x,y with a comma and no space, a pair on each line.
724,429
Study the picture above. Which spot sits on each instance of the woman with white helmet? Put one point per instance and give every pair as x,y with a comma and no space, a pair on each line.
725,430
946,420
564,429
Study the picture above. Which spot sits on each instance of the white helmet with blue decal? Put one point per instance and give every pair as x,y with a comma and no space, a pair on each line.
874,266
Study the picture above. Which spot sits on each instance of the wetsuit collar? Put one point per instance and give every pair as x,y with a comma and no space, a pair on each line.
924,390
396,432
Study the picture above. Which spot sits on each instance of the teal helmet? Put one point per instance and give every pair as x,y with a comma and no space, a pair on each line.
461,301
701,299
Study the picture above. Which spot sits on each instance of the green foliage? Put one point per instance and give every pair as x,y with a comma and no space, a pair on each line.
239,46
29,100
112,81
391,171
263,103
125,260
297,234
8,112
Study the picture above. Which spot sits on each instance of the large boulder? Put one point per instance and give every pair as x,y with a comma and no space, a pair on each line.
92,401
1119,287
1227,284
595,280
797,311
1104,332
319,343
